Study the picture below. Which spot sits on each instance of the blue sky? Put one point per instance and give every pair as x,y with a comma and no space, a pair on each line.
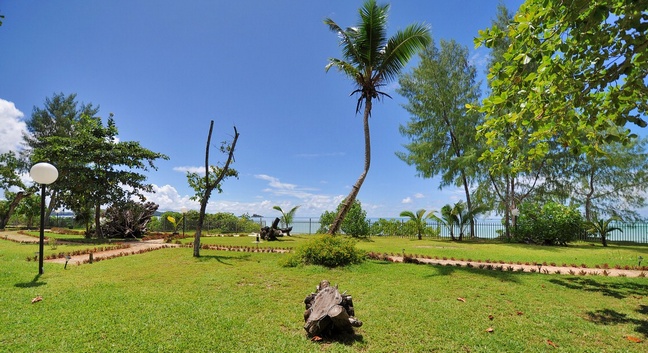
166,68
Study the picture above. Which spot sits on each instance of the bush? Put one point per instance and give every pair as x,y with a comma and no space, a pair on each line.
355,223
326,250
550,224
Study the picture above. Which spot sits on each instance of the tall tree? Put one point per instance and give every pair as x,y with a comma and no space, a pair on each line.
441,129
96,169
589,76
204,186
56,118
614,182
371,60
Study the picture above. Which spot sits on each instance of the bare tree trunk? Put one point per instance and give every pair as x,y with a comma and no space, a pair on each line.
209,187
205,198
348,202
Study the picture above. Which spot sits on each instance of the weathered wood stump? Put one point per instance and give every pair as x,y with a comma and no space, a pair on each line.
271,233
328,312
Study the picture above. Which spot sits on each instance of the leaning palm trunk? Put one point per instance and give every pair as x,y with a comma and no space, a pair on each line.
346,204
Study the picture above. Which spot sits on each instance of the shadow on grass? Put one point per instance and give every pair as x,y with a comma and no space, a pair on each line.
612,317
223,259
618,290
33,283
347,339
502,275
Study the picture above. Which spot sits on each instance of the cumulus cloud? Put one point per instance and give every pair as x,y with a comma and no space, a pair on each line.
419,196
407,200
11,126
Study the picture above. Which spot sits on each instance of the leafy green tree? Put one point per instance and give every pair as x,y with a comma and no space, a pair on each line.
441,129
57,117
355,224
29,208
204,186
286,218
602,228
371,60
420,221
95,168
588,78
390,227
10,168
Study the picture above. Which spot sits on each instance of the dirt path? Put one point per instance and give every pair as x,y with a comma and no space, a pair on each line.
136,247
553,270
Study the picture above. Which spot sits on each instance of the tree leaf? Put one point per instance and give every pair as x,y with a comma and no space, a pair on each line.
634,339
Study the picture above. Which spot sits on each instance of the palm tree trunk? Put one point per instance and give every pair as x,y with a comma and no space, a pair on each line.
346,204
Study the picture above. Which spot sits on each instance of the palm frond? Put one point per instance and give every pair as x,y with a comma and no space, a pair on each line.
400,49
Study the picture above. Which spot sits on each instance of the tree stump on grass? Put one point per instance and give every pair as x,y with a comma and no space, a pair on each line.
328,312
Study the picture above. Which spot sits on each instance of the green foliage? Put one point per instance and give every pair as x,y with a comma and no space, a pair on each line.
355,223
326,250
371,60
286,218
573,74
548,224
602,228
391,227
417,220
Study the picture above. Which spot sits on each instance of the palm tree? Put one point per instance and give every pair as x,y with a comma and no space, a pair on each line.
286,218
419,220
448,219
371,60
602,228
466,216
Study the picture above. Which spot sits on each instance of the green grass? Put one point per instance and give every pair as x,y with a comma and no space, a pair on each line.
168,301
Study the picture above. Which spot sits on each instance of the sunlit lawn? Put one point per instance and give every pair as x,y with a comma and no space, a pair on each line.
169,301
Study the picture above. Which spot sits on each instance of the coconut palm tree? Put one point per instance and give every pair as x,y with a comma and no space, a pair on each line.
602,227
286,218
465,216
371,60
419,220
448,219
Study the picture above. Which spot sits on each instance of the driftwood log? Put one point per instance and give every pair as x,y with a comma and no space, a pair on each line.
271,233
128,220
328,312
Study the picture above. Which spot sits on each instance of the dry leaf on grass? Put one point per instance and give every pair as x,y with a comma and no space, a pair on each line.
490,330
520,313
461,300
552,344
37,299
316,338
634,339
491,317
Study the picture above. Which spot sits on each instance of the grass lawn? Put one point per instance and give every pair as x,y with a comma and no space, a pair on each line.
168,301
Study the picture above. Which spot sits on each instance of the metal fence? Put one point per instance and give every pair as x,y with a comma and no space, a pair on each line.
484,228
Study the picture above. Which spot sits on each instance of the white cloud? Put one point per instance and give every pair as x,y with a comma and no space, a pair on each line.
419,196
407,200
11,126
185,169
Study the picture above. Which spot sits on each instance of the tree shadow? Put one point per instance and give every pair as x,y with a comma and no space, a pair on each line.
618,290
33,283
494,271
612,317
223,259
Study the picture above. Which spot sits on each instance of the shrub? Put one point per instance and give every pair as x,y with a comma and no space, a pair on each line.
355,222
326,250
549,224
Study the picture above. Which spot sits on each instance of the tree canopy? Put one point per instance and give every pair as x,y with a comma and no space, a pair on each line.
589,77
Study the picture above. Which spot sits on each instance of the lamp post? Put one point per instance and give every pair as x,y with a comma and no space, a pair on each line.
44,174
184,216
